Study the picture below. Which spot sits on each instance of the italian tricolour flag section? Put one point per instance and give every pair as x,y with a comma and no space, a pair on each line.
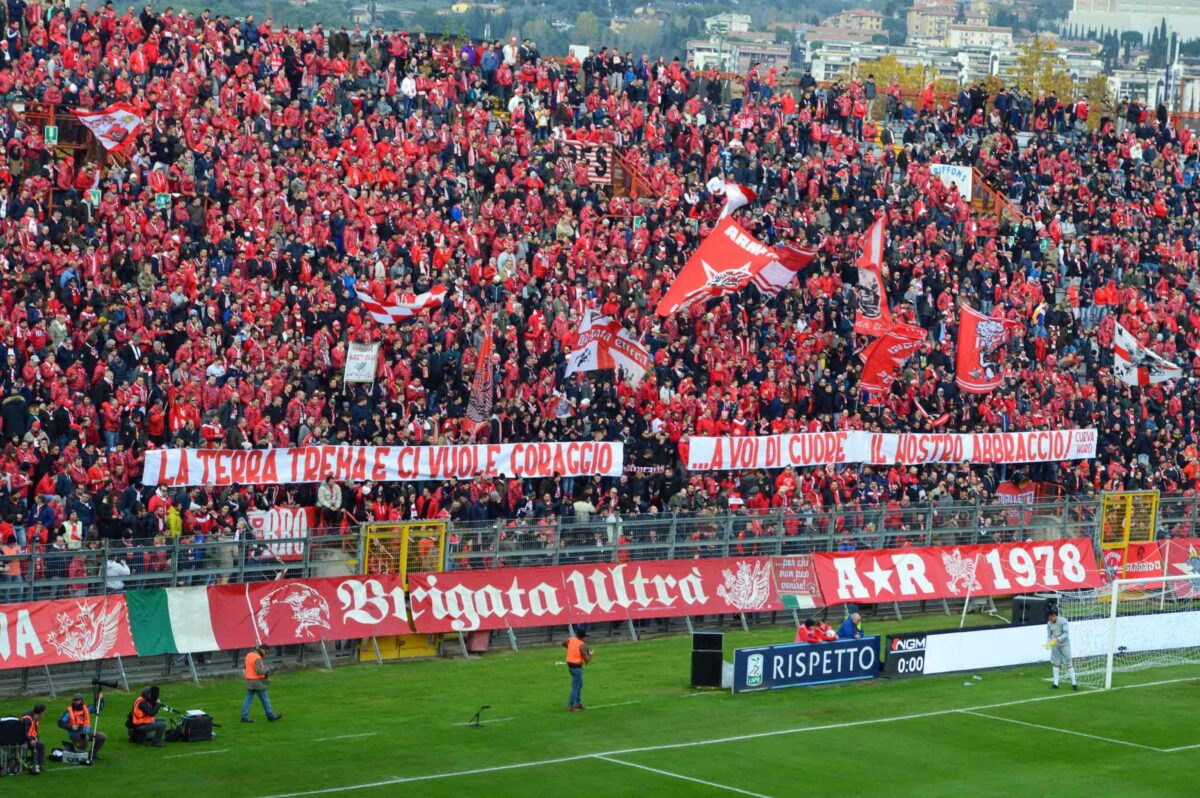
171,621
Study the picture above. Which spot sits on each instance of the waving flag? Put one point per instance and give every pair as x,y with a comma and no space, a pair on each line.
982,341
605,344
116,127
777,274
887,355
873,316
724,263
388,313
1134,364
483,386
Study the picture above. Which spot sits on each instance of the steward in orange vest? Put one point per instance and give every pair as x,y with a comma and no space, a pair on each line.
37,749
578,655
257,680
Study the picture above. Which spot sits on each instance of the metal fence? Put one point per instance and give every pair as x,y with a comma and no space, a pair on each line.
567,540
532,542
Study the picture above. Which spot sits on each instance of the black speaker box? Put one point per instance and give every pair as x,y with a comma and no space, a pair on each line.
197,729
706,668
1031,610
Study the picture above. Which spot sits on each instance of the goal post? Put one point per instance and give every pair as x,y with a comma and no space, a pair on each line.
1163,629
1131,625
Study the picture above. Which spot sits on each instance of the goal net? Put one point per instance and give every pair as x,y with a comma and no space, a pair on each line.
1131,625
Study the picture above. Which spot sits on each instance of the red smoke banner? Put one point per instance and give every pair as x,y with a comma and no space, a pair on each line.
73,630
288,611
982,340
886,356
953,572
724,263
462,601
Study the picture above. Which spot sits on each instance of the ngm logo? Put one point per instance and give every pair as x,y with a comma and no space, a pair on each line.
901,644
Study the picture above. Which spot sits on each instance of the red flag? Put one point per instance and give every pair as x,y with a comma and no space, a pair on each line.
918,208
979,365
873,316
483,392
777,274
736,196
888,354
723,264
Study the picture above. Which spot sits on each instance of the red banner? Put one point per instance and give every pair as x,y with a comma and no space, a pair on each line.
1181,557
73,630
979,365
724,263
886,356
463,601
943,572
288,611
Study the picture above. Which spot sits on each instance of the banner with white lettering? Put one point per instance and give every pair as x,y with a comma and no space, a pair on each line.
223,467
283,529
361,362
804,664
72,630
949,572
463,601
885,448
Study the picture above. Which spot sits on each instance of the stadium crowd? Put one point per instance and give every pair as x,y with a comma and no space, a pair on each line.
308,167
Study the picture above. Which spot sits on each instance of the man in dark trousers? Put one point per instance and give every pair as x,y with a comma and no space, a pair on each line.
143,718
257,677
37,749
578,655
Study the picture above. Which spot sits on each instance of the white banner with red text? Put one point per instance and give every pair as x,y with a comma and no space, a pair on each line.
886,448
951,572
223,467
463,601
283,529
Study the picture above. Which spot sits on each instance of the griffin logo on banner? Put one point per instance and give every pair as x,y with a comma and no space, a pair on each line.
483,390
724,263
982,344
873,317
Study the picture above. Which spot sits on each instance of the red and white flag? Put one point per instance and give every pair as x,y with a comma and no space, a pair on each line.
605,344
116,127
483,390
886,355
406,307
736,196
777,274
724,263
873,317
982,344
1134,364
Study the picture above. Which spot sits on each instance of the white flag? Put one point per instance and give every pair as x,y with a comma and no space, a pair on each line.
605,344
115,127
361,362
1134,364
405,308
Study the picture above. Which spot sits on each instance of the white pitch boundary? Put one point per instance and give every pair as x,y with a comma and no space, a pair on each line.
1064,731
714,741
345,737
692,779
482,722
198,753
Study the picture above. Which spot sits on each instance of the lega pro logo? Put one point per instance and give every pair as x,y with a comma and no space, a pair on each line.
754,670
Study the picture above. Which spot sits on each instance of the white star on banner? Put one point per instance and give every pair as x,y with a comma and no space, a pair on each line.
880,577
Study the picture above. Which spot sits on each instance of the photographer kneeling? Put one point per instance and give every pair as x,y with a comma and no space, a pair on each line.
142,723
77,722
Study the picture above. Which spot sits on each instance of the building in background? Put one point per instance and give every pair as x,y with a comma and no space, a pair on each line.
963,36
735,52
1182,16
727,23
859,19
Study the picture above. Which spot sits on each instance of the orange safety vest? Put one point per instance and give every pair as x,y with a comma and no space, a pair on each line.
140,718
252,660
574,651
12,567
79,717
33,726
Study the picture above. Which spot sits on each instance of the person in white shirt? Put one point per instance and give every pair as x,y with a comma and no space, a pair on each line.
115,571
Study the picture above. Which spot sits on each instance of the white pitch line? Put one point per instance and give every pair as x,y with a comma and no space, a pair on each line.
608,706
489,720
692,779
1181,748
1063,731
345,737
198,753
715,741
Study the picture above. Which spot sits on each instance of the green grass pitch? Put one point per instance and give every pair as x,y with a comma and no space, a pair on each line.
399,729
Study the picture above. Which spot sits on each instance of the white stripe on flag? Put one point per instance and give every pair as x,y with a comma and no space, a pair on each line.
191,620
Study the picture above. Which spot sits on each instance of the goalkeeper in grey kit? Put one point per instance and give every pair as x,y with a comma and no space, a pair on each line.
1060,647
